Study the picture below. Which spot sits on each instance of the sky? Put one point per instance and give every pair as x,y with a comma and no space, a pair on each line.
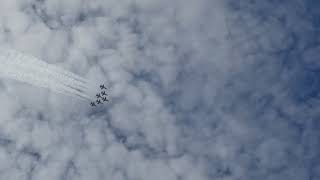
199,90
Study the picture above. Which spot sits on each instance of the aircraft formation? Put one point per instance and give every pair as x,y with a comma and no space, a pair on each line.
101,97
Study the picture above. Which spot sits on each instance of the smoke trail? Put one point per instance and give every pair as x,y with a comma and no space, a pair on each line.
20,56
55,72
30,70
10,70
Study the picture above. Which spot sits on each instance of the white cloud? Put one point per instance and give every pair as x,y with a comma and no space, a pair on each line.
199,90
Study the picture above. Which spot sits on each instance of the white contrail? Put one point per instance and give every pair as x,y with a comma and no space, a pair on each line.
30,70
11,70
55,72
13,54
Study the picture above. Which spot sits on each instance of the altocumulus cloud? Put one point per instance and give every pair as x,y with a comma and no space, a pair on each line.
203,89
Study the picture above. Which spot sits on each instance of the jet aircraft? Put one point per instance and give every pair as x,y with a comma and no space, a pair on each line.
105,99
103,93
101,97
102,86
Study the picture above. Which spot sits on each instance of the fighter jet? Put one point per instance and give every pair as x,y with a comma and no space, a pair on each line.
104,99
103,93
99,102
92,104
102,86
98,95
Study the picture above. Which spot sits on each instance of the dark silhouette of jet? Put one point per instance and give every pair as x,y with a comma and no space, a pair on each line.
103,93
105,99
98,95
99,102
102,86
92,104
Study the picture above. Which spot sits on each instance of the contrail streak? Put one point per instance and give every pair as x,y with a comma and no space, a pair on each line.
33,71
38,80
13,54
55,72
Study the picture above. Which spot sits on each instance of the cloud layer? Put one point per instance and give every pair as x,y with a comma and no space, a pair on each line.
199,90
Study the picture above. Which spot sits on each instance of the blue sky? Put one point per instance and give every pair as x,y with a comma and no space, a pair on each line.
206,89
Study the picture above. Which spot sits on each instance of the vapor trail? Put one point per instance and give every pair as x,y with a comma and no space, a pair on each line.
64,76
30,70
11,70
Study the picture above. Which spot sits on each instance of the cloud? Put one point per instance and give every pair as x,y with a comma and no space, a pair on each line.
199,90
